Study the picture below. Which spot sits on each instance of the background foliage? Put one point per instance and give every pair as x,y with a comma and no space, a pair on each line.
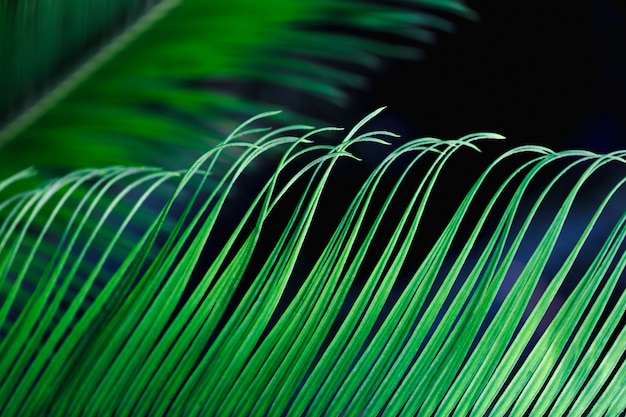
134,82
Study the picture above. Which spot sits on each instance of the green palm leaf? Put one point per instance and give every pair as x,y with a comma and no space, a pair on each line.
117,302
133,81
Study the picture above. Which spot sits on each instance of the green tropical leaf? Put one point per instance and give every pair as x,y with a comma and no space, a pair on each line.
134,81
116,301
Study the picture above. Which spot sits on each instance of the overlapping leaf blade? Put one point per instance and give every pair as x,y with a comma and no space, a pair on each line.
132,82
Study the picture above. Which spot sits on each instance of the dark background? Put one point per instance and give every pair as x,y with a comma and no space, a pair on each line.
537,72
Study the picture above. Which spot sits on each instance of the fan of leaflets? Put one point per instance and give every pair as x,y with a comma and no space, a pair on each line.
117,302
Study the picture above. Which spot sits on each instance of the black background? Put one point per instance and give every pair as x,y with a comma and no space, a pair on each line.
537,72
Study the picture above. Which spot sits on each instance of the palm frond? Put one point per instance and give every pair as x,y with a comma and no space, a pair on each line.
117,302
132,81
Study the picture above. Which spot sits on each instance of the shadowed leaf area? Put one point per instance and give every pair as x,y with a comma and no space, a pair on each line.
417,289
90,83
